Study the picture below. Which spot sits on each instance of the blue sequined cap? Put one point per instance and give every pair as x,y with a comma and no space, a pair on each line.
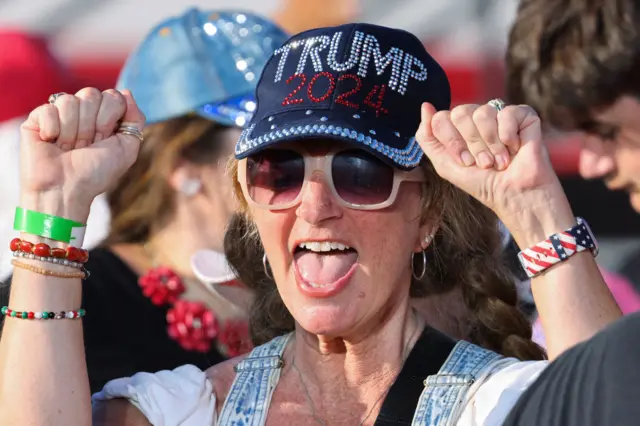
203,62
358,83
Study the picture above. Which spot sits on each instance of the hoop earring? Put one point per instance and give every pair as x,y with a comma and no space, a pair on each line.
424,266
265,265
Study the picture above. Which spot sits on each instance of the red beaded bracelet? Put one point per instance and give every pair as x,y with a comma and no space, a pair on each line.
46,315
72,254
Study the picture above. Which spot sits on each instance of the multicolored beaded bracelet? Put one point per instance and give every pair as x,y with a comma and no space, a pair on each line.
72,254
42,315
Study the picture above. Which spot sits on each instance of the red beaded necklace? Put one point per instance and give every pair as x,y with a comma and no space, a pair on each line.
191,323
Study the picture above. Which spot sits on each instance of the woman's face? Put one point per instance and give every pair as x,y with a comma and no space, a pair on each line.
331,290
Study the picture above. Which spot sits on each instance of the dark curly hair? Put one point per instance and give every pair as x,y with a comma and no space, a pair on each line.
570,59
466,254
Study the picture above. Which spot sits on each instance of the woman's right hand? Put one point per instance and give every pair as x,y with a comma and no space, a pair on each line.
516,179
71,150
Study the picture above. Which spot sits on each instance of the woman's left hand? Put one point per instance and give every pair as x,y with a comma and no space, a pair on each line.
499,158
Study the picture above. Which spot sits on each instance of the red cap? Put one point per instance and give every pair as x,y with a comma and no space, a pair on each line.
28,74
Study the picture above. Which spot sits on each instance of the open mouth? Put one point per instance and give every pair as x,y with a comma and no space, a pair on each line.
324,265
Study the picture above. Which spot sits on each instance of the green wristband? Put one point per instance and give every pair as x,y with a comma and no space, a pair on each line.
48,226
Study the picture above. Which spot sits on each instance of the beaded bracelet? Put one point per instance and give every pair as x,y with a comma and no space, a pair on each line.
72,254
46,315
52,260
83,274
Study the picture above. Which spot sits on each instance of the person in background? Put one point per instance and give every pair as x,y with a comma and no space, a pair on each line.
592,90
160,291
29,73
578,67
577,64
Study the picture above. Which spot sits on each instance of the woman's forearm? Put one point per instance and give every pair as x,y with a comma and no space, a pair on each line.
42,374
43,378
572,298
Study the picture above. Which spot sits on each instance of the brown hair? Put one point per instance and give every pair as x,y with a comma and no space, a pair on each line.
143,200
465,254
568,59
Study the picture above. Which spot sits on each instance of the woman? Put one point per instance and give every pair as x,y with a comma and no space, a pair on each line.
350,219
170,209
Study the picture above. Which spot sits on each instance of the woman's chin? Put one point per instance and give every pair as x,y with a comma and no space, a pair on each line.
331,320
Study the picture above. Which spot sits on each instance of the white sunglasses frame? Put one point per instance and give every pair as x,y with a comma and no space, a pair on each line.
322,163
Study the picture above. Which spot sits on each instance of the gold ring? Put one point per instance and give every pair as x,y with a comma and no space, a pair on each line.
53,98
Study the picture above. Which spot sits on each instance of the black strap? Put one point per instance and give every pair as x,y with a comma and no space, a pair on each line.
426,358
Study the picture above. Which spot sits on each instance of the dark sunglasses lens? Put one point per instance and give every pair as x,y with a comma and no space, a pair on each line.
360,178
275,177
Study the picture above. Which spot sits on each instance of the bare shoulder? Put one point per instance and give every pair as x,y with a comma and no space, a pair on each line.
221,377
117,412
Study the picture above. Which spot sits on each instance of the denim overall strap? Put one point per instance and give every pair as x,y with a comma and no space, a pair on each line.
445,392
247,403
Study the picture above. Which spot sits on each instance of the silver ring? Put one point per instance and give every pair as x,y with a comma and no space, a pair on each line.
497,104
131,131
53,98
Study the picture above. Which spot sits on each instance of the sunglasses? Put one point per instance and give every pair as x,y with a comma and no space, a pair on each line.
275,179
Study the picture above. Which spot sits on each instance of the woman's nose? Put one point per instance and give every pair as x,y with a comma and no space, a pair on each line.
318,202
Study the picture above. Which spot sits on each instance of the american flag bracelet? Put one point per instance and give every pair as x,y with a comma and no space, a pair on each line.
557,248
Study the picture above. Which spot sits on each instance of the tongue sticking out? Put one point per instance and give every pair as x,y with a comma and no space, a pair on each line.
323,269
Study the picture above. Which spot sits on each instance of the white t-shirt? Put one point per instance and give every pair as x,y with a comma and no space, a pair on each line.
99,217
184,396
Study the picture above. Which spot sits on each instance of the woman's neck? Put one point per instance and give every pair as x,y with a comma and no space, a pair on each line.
174,249
175,243
369,359
172,246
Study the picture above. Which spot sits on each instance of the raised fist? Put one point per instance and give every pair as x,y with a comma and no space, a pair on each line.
74,148
498,157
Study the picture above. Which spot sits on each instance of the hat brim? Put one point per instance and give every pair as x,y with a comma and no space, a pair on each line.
401,151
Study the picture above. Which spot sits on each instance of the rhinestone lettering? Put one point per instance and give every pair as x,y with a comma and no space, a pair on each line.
289,100
393,56
284,52
354,56
363,47
312,48
377,105
330,89
409,71
342,99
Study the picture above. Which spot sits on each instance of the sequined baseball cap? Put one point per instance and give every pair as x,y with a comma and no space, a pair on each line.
358,83
204,62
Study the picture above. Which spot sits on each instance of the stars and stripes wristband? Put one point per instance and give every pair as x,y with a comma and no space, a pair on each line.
557,248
